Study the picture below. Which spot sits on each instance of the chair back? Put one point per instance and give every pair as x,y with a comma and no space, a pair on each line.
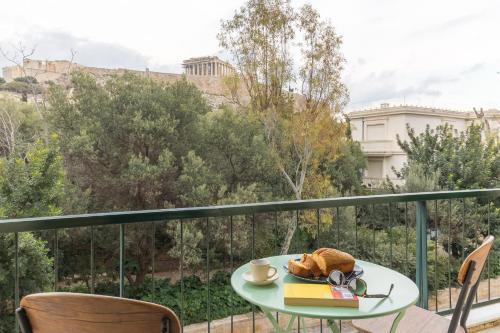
469,277
83,313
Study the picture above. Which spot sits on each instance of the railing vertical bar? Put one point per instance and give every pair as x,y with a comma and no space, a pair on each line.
406,238
338,228
390,234
463,229
208,274
182,274
122,259
475,237
276,252
488,258
297,229
449,252
373,228
421,278
318,218
253,236
276,249
56,258
92,260
153,259
436,282
16,277
253,257
231,260
356,231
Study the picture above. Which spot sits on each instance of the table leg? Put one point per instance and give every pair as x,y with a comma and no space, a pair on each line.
276,324
396,321
303,324
333,326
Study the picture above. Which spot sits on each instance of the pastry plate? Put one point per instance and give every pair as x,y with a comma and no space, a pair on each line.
356,273
247,276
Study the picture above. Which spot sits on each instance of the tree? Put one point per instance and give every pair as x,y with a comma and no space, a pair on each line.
19,126
26,79
27,85
460,160
299,131
35,272
444,159
231,165
346,171
123,143
31,184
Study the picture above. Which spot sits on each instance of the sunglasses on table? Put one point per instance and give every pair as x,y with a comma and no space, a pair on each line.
357,286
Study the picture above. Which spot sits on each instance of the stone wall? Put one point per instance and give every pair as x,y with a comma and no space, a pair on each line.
212,87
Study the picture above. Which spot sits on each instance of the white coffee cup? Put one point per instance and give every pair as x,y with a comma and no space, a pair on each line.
262,270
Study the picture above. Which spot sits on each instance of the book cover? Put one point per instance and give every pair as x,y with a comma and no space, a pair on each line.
319,295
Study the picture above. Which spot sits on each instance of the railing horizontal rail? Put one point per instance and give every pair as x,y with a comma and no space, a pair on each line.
72,221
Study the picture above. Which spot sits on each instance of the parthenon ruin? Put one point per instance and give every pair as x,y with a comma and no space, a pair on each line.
207,66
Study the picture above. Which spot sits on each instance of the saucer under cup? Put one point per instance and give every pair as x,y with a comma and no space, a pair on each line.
247,276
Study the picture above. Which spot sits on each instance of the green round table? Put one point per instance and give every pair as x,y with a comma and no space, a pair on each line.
270,298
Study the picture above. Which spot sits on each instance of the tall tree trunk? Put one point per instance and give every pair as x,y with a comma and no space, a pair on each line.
292,227
289,235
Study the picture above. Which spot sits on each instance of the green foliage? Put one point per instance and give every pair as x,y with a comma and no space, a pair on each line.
134,143
300,130
346,171
26,79
20,126
21,87
223,300
32,185
448,160
420,179
2,81
124,137
35,272
460,160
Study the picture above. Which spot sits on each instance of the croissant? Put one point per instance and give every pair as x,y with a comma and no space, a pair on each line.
329,259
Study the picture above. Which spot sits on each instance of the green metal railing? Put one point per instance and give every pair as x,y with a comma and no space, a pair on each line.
421,203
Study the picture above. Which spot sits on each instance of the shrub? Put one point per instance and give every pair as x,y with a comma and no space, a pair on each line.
35,273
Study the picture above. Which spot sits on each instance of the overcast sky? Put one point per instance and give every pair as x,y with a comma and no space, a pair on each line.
442,53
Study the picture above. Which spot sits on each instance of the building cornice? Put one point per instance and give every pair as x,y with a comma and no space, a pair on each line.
419,110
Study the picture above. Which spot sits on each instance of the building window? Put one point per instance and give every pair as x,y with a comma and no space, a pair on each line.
375,132
375,168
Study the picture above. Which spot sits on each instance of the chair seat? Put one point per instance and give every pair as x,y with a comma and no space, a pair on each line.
415,320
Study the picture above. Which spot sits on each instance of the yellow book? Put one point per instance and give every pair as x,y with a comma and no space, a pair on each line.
319,295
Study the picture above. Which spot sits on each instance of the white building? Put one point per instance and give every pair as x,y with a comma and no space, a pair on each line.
376,129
